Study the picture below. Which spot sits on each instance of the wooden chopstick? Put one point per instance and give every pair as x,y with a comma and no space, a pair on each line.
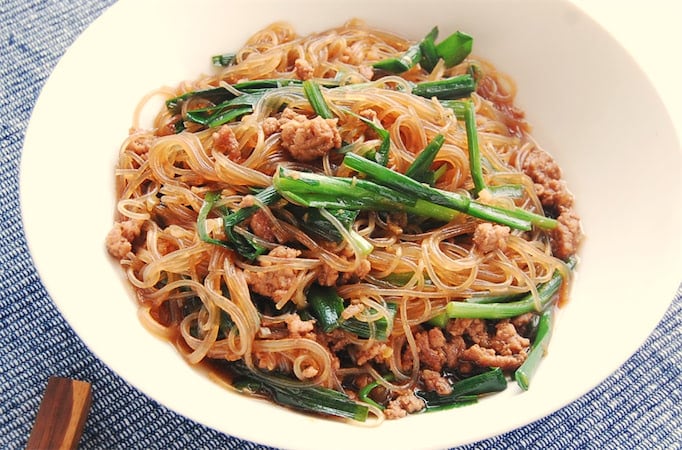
61,417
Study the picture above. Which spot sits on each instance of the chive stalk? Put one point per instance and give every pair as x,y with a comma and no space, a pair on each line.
326,307
546,293
446,89
320,191
403,63
419,170
459,202
466,390
314,95
298,395
516,218
474,150
429,51
525,372
455,48
223,60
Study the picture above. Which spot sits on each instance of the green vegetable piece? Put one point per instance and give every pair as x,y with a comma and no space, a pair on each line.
457,106
378,330
363,394
455,48
524,374
429,51
381,155
405,62
320,191
314,95
299,396
209,201
546,292
223,60
419,170
507,190
326,306
213,95
487,382
246,247
474,151
447,89
395,180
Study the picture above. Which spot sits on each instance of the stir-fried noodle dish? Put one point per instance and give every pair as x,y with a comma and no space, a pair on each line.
348,223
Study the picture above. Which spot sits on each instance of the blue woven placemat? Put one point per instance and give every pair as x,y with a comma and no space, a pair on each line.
639,406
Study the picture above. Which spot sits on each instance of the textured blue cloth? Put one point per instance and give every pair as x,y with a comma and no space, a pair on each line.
637,407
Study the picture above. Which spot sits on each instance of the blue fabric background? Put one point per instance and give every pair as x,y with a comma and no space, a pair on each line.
639,406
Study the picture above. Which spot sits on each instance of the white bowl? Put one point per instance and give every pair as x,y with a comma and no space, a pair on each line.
590,105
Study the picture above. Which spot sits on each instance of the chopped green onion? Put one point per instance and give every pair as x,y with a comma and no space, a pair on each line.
298,395
213,95
378,329
474,150
209,201
457,106
320,191
447,89
523,374
455,48
243,245
401,64
326,306
363,394
546,293
487,382
223,60
381,155
419,170
314,95
429,51
459,202
516,218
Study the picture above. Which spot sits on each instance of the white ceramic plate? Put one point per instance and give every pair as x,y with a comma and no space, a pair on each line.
591,106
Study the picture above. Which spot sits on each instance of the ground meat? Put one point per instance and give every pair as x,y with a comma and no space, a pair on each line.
298,327
261,226
377,351
567,235
225,141
140,145
556,199
434,381
546,174
270,126
506,348
434,350
120,239
308,139
489,238
523,323
326,275
277,283
304,70
507,341
486,357
406,403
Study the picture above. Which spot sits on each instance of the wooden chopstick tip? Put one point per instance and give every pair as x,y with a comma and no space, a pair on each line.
62,414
